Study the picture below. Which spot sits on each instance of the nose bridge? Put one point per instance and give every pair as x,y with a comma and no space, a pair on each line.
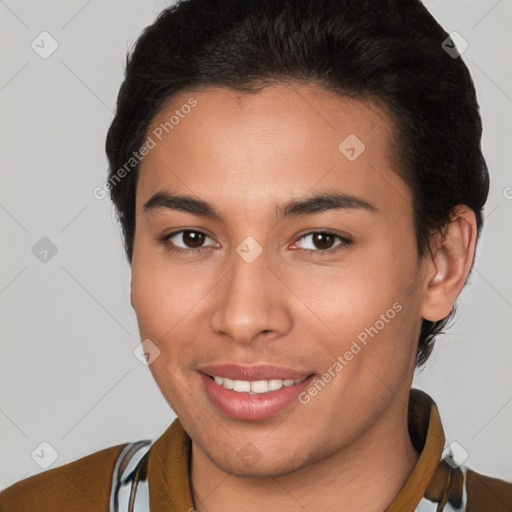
248,302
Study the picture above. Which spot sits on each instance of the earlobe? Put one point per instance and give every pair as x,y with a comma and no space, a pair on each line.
450,263
131,294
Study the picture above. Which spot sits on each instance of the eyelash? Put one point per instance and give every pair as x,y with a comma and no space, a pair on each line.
344,242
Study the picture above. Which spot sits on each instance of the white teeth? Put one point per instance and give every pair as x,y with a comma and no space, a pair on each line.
227,383
275,384
259,386
241,385
255,386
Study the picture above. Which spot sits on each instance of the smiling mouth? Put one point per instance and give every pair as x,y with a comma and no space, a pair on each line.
255,386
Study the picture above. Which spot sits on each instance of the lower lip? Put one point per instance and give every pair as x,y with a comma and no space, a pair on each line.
257,406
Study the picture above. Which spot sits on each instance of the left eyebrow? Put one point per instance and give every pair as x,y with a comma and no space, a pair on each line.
321,202
309,205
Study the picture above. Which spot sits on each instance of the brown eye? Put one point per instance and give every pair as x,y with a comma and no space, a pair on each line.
193,239
323,242
186,240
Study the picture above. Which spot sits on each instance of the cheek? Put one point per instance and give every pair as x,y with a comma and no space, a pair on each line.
163,293
149,299
162,298
375,300
389,307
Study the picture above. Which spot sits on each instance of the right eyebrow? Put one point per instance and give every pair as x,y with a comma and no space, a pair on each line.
187,204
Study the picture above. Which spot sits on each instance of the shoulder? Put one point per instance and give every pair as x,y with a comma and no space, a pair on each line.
80,485
487,493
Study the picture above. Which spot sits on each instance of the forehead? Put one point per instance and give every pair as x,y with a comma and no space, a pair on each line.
283,139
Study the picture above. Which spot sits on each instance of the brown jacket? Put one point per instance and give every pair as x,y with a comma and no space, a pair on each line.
434,485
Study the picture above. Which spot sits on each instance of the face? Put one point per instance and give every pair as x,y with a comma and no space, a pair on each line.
275,248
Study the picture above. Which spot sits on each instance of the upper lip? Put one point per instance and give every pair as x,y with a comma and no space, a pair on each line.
251,372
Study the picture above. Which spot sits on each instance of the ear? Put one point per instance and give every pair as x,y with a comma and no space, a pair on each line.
449,263
131,293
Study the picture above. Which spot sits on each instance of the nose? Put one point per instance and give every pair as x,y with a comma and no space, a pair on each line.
250,302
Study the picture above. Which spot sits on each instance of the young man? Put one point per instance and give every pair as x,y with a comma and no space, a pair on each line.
300,187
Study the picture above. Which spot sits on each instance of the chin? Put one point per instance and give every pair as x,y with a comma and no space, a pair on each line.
247,462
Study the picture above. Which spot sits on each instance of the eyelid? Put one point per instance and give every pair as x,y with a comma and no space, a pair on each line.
165,240
344,241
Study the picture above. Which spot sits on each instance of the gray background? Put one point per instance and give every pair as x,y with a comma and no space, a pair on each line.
68,373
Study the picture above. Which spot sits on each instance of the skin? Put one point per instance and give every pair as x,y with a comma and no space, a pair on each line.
348,448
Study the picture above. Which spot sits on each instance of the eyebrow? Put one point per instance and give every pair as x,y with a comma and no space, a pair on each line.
317,203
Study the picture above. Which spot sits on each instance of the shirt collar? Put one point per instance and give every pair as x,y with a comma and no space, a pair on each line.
427,436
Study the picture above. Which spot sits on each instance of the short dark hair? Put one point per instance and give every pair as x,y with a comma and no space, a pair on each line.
387,51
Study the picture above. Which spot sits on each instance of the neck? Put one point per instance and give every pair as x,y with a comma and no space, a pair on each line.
367,475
